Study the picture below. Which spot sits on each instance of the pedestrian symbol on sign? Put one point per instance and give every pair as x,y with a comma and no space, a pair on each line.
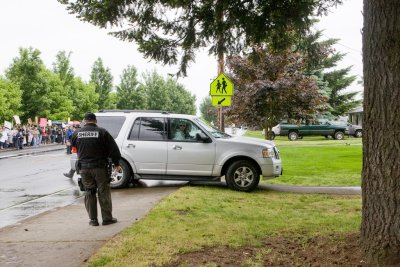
221,86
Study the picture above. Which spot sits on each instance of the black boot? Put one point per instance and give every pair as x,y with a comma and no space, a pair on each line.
94,222
113,220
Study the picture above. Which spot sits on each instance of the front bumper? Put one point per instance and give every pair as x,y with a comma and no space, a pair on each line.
272,169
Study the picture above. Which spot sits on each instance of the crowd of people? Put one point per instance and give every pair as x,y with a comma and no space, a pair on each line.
21,136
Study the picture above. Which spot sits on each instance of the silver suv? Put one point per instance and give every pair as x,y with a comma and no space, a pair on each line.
163,146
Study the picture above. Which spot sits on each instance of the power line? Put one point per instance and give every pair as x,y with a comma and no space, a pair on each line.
346,46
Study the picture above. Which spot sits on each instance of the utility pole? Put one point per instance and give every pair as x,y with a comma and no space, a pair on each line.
220,55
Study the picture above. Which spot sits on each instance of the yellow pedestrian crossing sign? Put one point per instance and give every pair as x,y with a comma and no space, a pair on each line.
221,86
221,101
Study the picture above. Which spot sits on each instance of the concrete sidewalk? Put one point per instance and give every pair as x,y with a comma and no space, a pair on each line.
63,237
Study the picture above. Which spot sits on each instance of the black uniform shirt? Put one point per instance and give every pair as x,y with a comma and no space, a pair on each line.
94,143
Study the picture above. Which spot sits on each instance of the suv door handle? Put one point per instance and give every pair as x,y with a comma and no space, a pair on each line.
130,145
176,147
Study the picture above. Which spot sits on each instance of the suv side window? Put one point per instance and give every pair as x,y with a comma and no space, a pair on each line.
183,130
148,129
112,124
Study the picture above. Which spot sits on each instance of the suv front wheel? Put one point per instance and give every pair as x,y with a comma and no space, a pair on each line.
358,134
121,179
242,176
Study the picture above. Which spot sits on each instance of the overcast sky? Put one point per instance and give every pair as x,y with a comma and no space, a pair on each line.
46,25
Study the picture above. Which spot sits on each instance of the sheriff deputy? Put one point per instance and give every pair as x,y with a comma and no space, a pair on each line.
95,146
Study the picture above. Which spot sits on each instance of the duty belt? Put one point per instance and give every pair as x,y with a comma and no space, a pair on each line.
93,165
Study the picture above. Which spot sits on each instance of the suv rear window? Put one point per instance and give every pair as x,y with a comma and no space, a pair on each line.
148,129
112,124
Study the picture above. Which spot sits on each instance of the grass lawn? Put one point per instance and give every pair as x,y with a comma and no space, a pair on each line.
196,217
196,220
317,161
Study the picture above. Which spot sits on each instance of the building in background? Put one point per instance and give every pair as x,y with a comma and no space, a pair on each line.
356,116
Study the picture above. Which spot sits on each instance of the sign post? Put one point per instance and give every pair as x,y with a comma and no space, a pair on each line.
221,92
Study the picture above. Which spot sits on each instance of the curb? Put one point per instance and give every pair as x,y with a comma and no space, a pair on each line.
345,190
30,151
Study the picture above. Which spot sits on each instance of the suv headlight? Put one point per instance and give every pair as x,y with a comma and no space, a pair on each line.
268,153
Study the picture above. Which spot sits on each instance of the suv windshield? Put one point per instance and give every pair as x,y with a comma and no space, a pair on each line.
211,130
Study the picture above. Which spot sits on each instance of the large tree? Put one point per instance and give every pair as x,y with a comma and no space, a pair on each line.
172,31
321,59
182,101
62,67
270,87
380,228
207,110
10,100
59,104
167,94
341,102
84,97
25,71
43,92
29,72
129,94
102,78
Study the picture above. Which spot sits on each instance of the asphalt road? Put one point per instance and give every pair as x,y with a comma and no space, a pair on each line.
33,183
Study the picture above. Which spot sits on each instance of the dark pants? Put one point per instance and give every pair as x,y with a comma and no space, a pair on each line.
92,179
17,143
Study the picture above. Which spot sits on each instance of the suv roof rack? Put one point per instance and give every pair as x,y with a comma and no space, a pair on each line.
133,111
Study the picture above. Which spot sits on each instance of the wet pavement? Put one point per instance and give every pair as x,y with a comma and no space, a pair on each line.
34,183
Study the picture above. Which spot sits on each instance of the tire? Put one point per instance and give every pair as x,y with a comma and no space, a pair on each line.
293,136
358,134
339,135
122,179
242,175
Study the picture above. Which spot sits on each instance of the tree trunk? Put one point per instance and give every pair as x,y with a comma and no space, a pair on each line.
380,228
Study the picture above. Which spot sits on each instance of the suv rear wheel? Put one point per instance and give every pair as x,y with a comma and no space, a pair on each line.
121,179
242,176
293,136
339,135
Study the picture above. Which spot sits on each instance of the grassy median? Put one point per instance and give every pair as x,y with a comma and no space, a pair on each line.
196,218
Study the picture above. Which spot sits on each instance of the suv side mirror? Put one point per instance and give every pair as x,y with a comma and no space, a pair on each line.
203,138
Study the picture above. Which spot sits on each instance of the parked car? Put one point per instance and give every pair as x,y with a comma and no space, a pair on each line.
354,130
151,148
276,130
315,127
